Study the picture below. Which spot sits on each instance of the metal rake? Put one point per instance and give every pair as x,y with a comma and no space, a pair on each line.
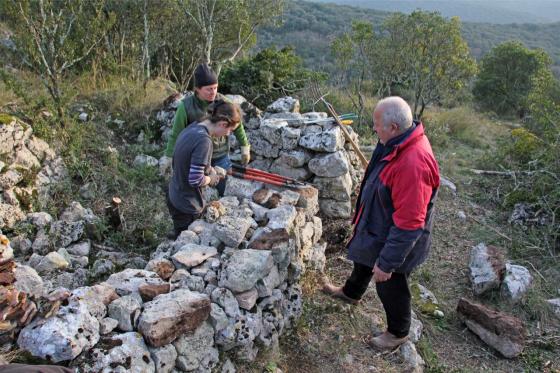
318,97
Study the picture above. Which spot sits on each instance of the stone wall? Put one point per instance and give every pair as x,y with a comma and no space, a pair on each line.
27,168
228,284
308,147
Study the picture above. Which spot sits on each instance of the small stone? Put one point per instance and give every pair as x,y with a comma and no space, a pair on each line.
191,255
107,325
247,299
51,262
149,292
126,311
145,161
163,267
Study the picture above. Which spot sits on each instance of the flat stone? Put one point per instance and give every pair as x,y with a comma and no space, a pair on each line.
191,255
171,315
282,217
79,249
149,292
129,280
503,332
283,169
241,188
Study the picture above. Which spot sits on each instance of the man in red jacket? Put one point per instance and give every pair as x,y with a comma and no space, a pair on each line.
393,218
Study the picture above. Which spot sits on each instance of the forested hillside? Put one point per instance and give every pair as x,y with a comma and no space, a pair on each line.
310,27
497,11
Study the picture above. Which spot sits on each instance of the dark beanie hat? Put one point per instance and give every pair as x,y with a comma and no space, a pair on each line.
204,75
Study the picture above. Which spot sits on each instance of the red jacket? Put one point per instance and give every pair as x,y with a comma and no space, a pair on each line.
394,210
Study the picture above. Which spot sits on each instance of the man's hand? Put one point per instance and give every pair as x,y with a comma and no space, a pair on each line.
245,154
379,275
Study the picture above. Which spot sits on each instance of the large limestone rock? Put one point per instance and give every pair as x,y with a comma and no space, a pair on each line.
61,338
487,267
336,188
503,332
282,217
170,315
330,165
284,105
281,168
322,139
245,268
128,281
231,230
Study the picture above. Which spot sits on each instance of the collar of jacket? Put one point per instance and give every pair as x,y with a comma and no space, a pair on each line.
203,104
411,136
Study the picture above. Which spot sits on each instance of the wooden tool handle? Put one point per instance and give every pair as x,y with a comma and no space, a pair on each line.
347,135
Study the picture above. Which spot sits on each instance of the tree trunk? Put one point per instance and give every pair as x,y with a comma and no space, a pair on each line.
145,46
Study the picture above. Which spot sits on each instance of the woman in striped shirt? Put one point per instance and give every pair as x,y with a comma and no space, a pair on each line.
191,163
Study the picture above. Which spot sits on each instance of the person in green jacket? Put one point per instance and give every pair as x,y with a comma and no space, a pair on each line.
193,108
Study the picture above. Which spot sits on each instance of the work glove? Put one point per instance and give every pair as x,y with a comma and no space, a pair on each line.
245,154
165,164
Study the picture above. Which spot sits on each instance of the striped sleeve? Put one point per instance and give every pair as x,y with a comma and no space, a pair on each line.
196,175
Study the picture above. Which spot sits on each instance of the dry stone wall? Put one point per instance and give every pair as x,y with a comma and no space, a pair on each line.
28,167
308,147
230,283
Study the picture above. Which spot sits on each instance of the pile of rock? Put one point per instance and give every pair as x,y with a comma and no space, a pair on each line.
490,271
307,147
28,167
229,283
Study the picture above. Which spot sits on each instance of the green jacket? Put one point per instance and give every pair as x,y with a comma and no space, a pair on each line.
191,110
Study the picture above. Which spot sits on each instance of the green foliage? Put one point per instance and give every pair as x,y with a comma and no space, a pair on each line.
421,52
268,75
52,36
507,77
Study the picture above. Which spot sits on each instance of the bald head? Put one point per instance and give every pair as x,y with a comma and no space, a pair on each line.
394,110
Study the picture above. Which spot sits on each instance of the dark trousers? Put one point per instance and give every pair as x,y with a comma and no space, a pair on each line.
393,293
181,221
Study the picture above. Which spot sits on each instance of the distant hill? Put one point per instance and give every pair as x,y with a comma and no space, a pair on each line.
489,11
310,27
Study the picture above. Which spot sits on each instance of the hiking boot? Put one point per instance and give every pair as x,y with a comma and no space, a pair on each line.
336,292
386,341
